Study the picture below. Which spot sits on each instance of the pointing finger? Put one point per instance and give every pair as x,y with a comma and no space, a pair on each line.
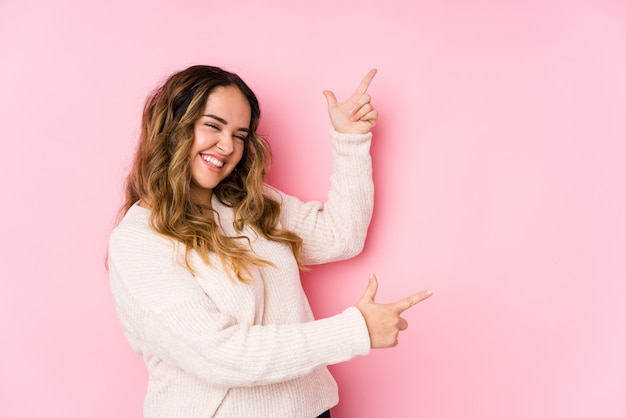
408,302
362,88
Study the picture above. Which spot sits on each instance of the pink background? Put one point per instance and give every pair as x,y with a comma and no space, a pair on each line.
499,164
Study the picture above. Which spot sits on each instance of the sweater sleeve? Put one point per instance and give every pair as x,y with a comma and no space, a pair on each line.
167,317
336,230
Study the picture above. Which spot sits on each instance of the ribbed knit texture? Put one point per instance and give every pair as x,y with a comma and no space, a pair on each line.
218,348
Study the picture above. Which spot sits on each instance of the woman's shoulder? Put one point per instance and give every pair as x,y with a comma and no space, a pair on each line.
135,216
134,225
275,194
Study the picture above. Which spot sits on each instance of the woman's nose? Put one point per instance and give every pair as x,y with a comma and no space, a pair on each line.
225,145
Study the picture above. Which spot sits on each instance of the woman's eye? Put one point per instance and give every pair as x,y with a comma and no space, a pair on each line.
213,126
241,137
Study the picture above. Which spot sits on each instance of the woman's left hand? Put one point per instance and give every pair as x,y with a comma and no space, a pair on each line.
356,115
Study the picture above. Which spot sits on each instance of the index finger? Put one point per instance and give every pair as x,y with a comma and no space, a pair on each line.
408,302
365,83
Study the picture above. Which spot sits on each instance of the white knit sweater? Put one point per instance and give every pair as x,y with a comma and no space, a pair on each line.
216,348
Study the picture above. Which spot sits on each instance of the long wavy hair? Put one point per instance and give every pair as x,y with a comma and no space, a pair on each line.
161,175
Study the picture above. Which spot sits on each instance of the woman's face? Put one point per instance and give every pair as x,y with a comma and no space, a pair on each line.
219,139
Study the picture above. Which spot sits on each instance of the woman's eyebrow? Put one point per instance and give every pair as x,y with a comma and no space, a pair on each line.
223,121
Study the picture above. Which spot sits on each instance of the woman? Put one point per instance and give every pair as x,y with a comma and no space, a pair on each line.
204,264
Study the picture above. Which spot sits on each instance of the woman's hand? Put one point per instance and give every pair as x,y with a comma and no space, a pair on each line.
356,115
384,322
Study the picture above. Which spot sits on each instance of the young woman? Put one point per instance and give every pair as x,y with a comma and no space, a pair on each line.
204,265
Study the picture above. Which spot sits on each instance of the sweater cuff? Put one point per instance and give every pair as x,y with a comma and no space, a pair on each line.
350,144
357,328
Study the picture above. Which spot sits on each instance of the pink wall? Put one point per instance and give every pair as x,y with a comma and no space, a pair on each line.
499,163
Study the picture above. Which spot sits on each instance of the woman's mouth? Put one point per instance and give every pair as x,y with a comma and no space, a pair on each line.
212,161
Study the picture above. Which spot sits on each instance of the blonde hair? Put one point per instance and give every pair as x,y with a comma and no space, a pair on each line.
161,175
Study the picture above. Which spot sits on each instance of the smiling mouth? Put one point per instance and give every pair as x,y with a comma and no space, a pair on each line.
212,161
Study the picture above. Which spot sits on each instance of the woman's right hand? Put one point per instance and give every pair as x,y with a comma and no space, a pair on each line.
384,322
356,115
